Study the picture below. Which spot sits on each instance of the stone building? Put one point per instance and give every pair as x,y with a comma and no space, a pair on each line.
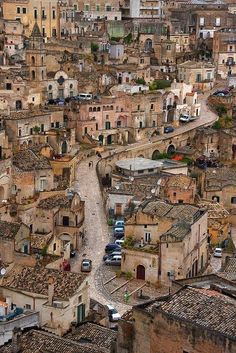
220,185
142,9
62,216
46,14
188,321
224,51
60,297
14,241
31,174
178,189
199,74
165,241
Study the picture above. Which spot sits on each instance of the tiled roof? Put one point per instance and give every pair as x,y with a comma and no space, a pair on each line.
94,335
219,177
39,241
230,266
203,307
181,181
182,212
36,341
35,280
58,200
27,160
178,231
8,230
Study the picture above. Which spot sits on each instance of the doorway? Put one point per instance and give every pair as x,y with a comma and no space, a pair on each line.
80,313
140,272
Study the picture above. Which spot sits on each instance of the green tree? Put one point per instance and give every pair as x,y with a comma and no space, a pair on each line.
140,81
159,84
221,109
217,125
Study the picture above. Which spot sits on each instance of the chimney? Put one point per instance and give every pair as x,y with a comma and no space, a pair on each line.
16,340
50,290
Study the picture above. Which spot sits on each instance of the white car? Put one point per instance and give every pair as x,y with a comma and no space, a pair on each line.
113,314
184,118
217,252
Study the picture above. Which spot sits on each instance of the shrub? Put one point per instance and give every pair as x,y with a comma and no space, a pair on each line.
141,81
129,242
159,84
128,38
217,125
128,275
221,109
110,221
44,250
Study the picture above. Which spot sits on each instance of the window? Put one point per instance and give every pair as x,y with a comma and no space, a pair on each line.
138,107
142,61
43,13
53,14
24,9
18,10
54,247
42,127
174,194
168,47
150,170
52,124
147,237
57,124
108,8
27,306
140,171
233,200
49,87
8,86
35,13
86,7
80,299
54,32
201,21
65,221
42,184
152,106
216,198
217,21
97,8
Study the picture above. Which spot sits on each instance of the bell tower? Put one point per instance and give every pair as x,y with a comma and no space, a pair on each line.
36,55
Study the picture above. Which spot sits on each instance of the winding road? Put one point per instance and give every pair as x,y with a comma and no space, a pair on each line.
97,232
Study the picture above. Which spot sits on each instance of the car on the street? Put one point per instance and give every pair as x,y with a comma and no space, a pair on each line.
112,247
86,265
184,118
119,233
119,241
217,252
114,260
221,93
60,101
110,255
119,223
168,129
113,314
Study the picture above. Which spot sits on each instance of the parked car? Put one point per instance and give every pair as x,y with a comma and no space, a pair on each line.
86,265
113,253
51,101
59,101
119,233
168,129
217,252
221,93
114,260
113,314
119,241
119,224
112,247
184,118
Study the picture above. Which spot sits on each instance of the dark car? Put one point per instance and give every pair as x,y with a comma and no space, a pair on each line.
168,129
112,247
59,101
119,232
51,101
72,253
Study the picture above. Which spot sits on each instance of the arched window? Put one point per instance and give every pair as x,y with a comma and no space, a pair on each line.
90,109
32,60
42,75
42,61
49,87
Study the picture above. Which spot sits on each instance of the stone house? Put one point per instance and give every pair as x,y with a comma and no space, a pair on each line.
62,216
60,297
224,51
27,13
31,174
14,240
199,74
165,241
60,85
188,321
220,185
178,189
27,128
14,41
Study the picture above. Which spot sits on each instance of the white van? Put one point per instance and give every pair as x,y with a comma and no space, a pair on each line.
85,96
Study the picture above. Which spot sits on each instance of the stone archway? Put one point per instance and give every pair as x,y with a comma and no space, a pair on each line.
141,156
170,149
140,273
155,154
